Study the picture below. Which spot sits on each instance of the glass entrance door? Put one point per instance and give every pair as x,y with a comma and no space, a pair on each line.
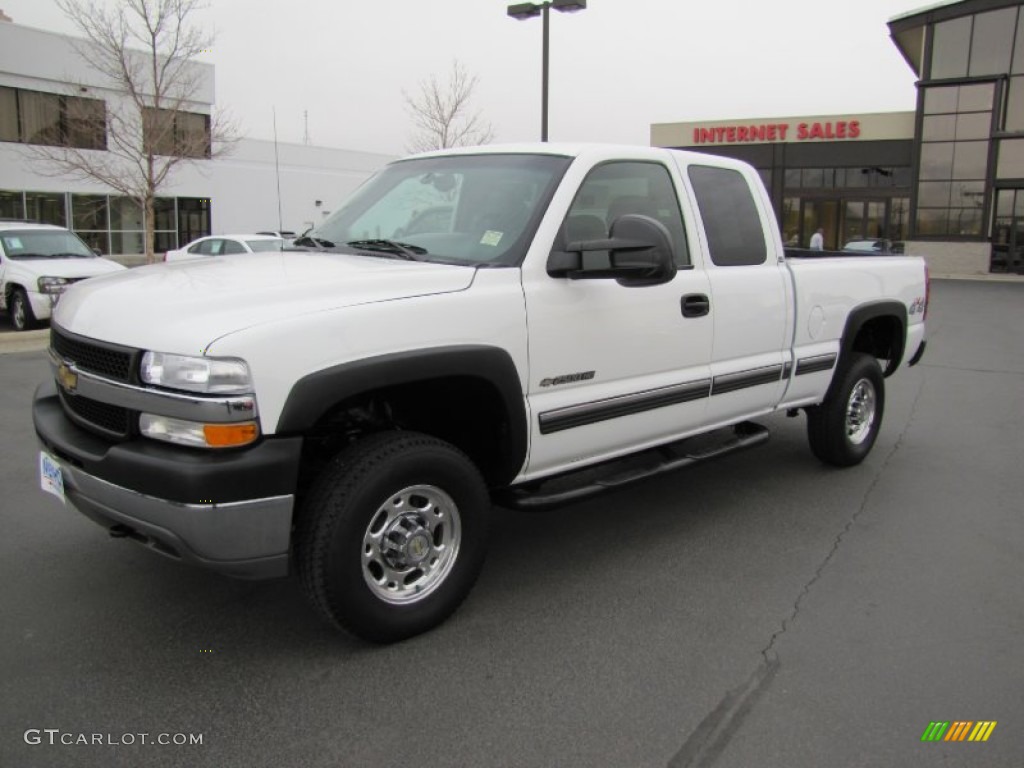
1008,232
863,220
823,214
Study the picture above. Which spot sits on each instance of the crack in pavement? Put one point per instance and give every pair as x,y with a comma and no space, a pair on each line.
710,738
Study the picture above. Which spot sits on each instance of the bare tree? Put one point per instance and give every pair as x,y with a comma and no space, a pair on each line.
143,51
442,114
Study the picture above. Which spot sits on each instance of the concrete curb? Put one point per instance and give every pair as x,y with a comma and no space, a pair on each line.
26,341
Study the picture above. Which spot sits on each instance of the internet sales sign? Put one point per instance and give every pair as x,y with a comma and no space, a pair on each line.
772,132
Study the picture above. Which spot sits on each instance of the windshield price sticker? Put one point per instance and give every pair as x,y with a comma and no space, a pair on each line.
51,479
491,237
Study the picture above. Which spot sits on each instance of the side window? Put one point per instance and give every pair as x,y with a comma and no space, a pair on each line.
232,246
613,189
733,226
214,247
200,247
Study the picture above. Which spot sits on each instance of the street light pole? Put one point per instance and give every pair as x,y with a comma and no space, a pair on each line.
523,11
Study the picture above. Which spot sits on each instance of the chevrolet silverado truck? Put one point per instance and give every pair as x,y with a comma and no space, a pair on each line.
580,317
37,264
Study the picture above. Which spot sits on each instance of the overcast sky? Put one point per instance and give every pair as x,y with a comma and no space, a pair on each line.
616,67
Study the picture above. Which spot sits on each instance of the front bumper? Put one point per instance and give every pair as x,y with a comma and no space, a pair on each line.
42,304
228,511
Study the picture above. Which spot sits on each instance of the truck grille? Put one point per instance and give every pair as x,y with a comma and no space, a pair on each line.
111,420
108,360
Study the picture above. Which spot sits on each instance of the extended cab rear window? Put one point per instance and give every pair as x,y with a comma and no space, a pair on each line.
731,221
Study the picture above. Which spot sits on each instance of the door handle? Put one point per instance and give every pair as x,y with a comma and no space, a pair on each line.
695,305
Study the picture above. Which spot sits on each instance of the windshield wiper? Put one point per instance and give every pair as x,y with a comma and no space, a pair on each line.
72,255
401,250
317,242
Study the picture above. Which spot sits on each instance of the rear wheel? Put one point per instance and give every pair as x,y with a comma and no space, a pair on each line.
392,535
843,429
22,317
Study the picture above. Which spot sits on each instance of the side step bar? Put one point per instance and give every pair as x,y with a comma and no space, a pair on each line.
617,473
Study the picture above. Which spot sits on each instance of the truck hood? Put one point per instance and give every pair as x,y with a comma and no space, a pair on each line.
71,268
182,307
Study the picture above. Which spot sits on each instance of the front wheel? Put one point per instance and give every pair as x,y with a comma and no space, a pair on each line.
392,535
843,429
22,317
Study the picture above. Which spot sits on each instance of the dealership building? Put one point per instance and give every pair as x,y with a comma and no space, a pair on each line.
257,185
946,179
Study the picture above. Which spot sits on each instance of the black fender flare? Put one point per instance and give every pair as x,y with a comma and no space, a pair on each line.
862,314
315,394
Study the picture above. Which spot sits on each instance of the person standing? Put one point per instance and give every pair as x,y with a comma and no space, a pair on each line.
818,240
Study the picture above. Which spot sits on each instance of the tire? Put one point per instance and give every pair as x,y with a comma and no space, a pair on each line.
22,317
392,535
843,429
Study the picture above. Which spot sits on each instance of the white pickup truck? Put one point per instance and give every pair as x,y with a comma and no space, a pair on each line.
37,264
523,325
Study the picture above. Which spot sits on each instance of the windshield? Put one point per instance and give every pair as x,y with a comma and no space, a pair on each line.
43,244
465,209
265,245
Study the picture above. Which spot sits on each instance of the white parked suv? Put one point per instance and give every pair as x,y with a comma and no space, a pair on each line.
37,264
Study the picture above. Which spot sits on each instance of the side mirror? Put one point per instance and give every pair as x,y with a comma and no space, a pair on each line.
639,253
97,251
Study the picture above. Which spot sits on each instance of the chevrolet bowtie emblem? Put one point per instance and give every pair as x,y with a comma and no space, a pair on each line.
67,378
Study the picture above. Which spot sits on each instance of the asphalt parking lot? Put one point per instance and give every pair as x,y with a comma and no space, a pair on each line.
762,610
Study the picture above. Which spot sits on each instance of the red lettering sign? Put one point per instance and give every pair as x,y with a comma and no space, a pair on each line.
819,131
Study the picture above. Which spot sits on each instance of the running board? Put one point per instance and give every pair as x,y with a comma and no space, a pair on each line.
617,473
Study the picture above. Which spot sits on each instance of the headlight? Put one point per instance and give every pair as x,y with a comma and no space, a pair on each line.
196,434
53,284
209,375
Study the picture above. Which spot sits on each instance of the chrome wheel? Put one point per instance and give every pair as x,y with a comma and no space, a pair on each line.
411,544
860,411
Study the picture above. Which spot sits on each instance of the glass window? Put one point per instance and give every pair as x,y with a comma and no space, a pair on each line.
163,214
965,221
856,177
970,160
813,177
940,99
40,117
89,212
932,222
612,190
975,125
933,194
192,134
1011,159
233,246
165,241
96,240
46,207
792,178
992,41
86,123
936,160
938,128
1018,48
901,177
950,44
975,98
1015,105
261,246
840,178
11,205
127,242
791,221
125,213
967,194
731,221
899,209
8,114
